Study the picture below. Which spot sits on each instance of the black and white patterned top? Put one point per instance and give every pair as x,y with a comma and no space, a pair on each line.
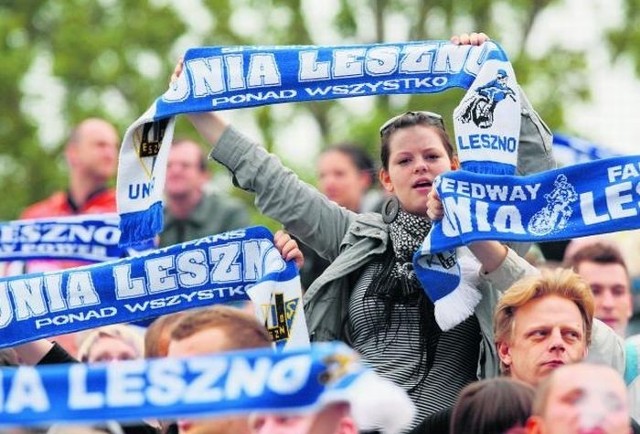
396,353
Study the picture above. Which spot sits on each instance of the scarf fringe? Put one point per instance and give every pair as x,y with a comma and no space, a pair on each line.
458,305
141,225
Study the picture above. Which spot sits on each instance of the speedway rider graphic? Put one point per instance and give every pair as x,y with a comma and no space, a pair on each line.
480,106
556,214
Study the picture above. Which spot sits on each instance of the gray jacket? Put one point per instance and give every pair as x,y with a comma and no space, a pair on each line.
351,240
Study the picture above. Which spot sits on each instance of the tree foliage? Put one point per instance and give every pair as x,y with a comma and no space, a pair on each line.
111,58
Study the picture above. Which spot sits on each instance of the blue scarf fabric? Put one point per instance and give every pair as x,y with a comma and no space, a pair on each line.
568,150
215,269
93,238
575,201
223,78
234,383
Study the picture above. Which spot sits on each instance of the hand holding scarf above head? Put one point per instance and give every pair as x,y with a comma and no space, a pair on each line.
223,78
487,129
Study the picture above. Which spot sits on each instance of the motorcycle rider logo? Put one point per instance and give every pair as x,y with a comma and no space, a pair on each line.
556,214
481,105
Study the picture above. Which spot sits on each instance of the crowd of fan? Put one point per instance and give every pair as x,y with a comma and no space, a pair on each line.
546,351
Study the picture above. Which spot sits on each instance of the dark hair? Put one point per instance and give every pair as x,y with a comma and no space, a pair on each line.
202,157
406,120
492,406
357,155
598,252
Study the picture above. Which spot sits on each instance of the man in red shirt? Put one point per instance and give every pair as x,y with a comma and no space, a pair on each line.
92,156
91,153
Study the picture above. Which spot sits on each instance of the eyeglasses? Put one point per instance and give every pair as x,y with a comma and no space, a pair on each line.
412,118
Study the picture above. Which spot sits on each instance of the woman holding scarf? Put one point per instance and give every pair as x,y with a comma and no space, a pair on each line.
369,296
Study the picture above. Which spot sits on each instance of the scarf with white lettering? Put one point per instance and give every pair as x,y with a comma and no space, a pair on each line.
580,200
487,129
220,385
92,237
232,266
223,78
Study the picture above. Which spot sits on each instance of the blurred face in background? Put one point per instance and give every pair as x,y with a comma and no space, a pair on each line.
584,399
111,349
185,174
341,180
611,292
332,419
207,341
92,151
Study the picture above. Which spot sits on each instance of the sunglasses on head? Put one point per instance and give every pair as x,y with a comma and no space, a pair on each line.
421,116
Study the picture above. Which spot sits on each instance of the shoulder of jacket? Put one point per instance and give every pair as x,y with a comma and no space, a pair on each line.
369,225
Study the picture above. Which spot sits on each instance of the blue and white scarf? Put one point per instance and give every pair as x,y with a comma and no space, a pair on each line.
223,78
232,266
568,150
584,199
92,237
234,383
487,131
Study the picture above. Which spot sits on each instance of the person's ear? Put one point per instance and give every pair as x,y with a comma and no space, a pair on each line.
70,154
534,425
455,162
385,180
504,352
347,426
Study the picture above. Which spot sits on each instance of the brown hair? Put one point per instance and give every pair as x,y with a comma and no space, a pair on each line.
157,336
243,329
598,252
358,157
492,406
561,282
410,119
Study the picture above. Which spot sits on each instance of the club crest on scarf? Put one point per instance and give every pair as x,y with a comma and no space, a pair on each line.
337,366
147,141
279,317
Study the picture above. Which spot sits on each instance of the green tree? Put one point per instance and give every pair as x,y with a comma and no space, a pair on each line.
111,58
